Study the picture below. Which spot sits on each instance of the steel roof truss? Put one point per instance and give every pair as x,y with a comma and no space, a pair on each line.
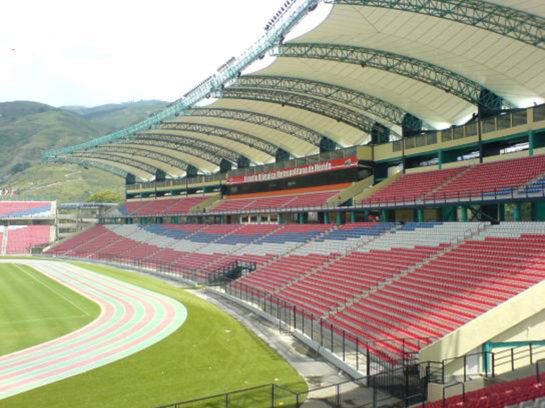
358,100
517,24
319,106
204,150
413,68
237,136
272,122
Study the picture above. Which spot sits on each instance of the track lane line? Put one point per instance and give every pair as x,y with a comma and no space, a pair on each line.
131,319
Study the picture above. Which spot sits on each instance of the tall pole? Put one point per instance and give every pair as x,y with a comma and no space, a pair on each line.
480,133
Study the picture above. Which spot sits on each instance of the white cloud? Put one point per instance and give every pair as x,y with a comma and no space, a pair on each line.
89,53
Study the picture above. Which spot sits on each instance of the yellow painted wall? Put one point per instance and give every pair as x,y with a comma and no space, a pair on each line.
522,317
365,153
352,191
385,151
377,187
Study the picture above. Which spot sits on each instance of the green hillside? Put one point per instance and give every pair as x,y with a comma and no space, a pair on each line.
28,129
117,116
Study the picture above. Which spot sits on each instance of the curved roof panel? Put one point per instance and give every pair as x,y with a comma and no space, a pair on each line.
510,68
368,62
291,144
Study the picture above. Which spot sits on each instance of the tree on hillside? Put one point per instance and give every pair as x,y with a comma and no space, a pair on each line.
106,196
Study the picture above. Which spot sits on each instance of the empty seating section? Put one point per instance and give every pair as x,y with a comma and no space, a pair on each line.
21,239
301,200
395,287
165,206
499,395
453,288
410,187
497,178
199,250
26,209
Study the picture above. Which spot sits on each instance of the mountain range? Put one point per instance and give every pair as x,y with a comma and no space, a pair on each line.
29,129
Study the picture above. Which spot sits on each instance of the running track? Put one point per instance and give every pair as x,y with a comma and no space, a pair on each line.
131,319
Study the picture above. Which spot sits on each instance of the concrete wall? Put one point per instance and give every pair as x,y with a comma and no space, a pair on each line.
520,318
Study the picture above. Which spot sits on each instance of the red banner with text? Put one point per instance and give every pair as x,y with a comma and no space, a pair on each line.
330,165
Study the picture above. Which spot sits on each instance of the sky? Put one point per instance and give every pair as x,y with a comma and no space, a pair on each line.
74,52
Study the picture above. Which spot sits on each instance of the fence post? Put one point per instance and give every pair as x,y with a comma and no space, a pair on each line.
357,354
374,391
338,391
331,332
368,362
295,317
531,355
227,400
344,349
493,365
321,332
273,399
512,359
465,368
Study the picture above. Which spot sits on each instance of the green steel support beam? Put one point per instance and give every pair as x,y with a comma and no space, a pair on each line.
442,78
501,212
205,150
321,107
386,111
519,25
235,135
531,142
420,215
141,151
114,158
326,217
517,212
463,213
352,216
272,122
292,14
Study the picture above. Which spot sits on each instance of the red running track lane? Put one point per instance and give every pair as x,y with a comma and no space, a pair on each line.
131,319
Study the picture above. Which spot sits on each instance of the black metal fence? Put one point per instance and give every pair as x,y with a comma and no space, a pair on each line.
207,274
493,363
368,357
362,392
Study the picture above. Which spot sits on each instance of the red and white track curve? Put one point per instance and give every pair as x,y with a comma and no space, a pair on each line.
131,319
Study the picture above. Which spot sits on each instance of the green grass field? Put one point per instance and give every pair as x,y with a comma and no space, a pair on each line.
211,353
34,308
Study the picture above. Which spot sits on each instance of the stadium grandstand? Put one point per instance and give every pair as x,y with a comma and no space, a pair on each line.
374,184
26,225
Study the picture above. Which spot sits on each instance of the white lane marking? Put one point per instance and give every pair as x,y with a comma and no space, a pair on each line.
53,290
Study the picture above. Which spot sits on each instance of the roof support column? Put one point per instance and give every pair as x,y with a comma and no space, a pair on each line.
225,166
327,145
380,134
281,155
243,162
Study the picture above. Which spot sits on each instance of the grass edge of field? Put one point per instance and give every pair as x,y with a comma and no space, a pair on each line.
54,328
291,379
